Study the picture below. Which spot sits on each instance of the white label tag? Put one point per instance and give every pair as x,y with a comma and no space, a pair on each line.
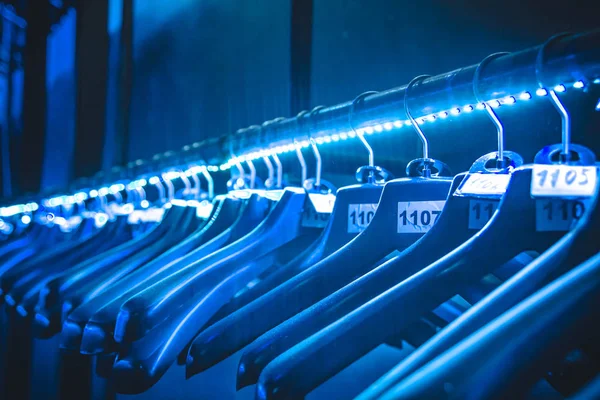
484,185
480,212
313,219
360,216
323,203
563,181
418,216
557,215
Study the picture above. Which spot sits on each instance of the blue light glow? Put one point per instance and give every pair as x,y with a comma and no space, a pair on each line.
378,128
154,180
343,136
398,124
369,130
560,88
26,219
443,114
541,92
335,137
388,126
431,118
578,85
481,106
144,204
525,96
116,188
597,81
455,111
103,191
468,108
510,100
495,103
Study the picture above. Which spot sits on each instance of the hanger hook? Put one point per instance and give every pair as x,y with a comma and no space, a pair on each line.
252,169
314,147
197,185
564,114
186,182
360,134
161,189
236,161
170,187
209,179
500,162
278,164
279,169
414,123
299,150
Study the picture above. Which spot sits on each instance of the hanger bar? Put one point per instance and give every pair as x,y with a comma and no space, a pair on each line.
570,59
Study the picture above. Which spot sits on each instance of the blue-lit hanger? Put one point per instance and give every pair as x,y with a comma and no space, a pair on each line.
514,351
360,199
450,231
49,307
513,225
198,291
100,312
381,237
572,249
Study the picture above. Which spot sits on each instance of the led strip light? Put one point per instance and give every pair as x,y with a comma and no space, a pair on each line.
286,148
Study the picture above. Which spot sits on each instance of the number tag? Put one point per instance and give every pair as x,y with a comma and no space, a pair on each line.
483,185
318,209
480,212
418,216
313,219
557,215
360,216
563,181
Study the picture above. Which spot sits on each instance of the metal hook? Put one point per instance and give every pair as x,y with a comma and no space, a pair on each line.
236,161
279,169
271,170
210,181
499,127
186,182
299,150
161,190
315,149
197,185
170,187
361,134
564,114
252,172
410,117
275,157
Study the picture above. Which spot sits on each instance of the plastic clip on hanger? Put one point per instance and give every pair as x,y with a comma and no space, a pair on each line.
571,250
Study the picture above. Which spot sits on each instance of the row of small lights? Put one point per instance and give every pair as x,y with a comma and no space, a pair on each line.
391,125
336,137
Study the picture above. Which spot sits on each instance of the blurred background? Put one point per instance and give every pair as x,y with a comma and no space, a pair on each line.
89,84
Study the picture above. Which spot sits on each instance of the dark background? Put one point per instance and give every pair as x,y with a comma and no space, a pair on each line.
87,85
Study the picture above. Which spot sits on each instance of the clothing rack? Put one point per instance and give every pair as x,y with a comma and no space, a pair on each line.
568,60
571,62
